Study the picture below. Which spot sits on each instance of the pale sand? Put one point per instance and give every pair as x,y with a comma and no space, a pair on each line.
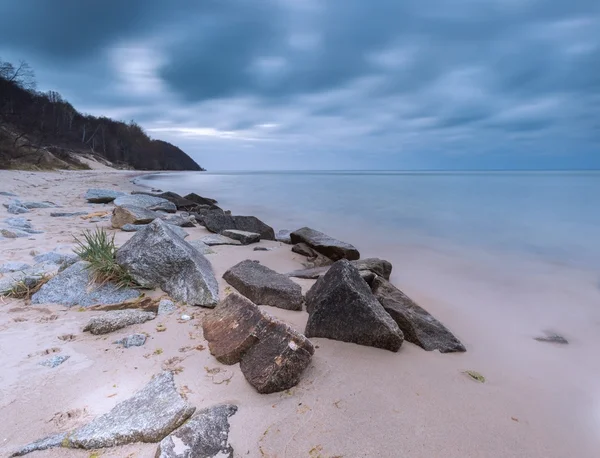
539,400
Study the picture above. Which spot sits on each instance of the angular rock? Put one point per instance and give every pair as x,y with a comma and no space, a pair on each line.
17,233
133,227
148,416
73,286
54,361
205,435
134,340
378,266
19,223
264,286
60,259
342,307
283,236
200,200
117,319
146,202
218,239
217,221
417,325
181,221
16,209
128,214
102,196
315,259
180,202
245,238
13,266
166,306
66,214
202,247
157,256
324,244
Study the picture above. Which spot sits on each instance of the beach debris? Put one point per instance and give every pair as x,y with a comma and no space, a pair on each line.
146,202
102,196
202,247
66,214
324,244
342,307
272,355
378,266
218,239
177,267
133,340
74,286
217,221
54,361
129,214
475,376
166,306
417,325
13,266
148,416
283,236
264,286
140,303
206,434
552,337
117,319
245,237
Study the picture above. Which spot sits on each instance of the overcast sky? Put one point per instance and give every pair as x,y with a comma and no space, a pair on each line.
342,84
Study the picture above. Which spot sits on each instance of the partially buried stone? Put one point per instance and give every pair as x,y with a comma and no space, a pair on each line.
54,361
44,204
17,233
245,238
67,214
102,196
134,340
283,236
133,227
60,259
146,202
218,239
262,248
17,209
6,193
19,223
117,319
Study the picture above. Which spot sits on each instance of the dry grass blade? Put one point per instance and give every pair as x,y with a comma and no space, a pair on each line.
25,289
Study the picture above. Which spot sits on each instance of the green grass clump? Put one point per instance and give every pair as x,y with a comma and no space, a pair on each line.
98,248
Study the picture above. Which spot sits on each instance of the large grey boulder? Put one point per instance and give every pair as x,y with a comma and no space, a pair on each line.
128,214
245,238
180,202
218,239
324,244
264,286
146,202
148,416
342,307
117,319
205,435
377,266
157,256
272,355
417,325
74,286
217,221
102,196
199,200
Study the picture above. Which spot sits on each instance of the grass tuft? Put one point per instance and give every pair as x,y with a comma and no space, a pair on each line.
98,248
24,290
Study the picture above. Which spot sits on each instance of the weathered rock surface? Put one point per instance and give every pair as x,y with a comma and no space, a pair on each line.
264,286
166,306
54,361
16,209
117,319
157,256
262,248
127,214
246,238
15,233
28,277
552,337
146,202
272,355
342,307
324,244
180,202
20,223
314,258
283,236
134,340
417,325
102,196
218,239
13,266
217,221
67,214
181,221
133,227
202,247
205,435
44,204
200,200
378,266
73,286
54,257
148,416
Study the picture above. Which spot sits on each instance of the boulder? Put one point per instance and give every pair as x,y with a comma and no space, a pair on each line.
13,266
67,214
54,361
202,247
324,244
283,236
180,202
128,214
102,196
117,319
205,435
157,256
74,286
181,221
245,238
199,200
315,259
218,239
16,209
417,325
378,266
264,286
217,221
146,202
148,416
272,355
134,340
342,307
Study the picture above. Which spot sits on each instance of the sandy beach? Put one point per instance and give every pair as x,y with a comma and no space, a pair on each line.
539,399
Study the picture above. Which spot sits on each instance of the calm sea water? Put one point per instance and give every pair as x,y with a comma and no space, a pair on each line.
549,215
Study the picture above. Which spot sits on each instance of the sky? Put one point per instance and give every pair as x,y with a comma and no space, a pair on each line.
330,84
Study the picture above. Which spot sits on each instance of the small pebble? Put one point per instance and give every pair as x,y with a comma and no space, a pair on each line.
186,317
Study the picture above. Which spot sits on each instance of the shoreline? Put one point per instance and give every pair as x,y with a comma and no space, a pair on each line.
414,401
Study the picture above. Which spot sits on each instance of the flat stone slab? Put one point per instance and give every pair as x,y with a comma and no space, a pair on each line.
264,286
134,340
552,337
328,246
102,196
73,286
218,239
245,237
205,435
217,221
146,202
378,266
117,319
67,214
148,416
